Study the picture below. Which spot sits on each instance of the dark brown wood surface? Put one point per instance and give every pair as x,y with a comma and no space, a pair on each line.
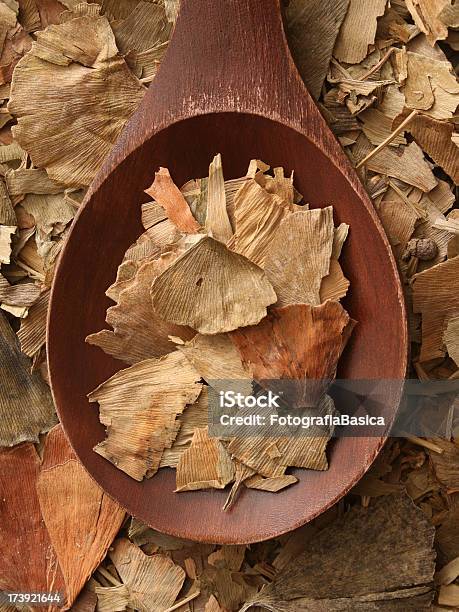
228,84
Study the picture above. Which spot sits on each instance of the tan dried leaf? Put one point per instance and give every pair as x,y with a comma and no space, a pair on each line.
257,215
169,196
32,333
228,557
51,213
80,61
435,296
206,464
138,332
431,86
377,127
451,339
139,406
270,484
426,15
446,464
299,256
22,295
6,233
26,405
153,582
208,288
217,221
216,359
145,27
358,30
396,541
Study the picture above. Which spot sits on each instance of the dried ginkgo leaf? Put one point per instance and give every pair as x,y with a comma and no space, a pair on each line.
395,539
207,288
169,196
80,61
217,221
216,359
138,332
305,237
32,333
22,294
153,582
300,344
446,464
257,214
270,484
139,406
451,338
194,416
435,296
86,520
206,464
312,29
426,15
358,30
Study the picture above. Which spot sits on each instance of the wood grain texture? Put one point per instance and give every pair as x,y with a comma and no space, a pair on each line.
211,96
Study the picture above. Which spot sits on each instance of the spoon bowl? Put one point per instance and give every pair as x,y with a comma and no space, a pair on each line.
206,99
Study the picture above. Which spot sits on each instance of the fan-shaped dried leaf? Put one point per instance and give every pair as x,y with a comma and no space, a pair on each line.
156,240
51,213
32,333
435,296
84,522
299,343
257,214
138,332
270,484
206,464
426,15
30,180
169,196
312,28
395,540
195,416
145,26
358,30
153,582
305,237
139,406
208,288
377,127
79,59
26,406
431,86
451,339
217,222
216,359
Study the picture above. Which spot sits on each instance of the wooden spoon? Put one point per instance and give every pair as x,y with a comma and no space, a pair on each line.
227,84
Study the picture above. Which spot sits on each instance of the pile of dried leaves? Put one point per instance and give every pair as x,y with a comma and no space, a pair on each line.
235,280
385,76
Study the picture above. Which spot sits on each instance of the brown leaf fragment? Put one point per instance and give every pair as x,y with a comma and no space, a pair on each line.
145,26
216,359
451,338
447,535
51,213
217,221
86,520
305,237
377,127
406,163
79,60
169,196
334,286
312,29
6,233
30,180
139,406
228,557
7,214
394,540
212,605
358,30
435,296
138,332
426,15
208,289
28,560
270,484
206,464
152,213
299,343
257,214
194,416
26,406
431,86
32,333
21,295
446,464
153,582
434,137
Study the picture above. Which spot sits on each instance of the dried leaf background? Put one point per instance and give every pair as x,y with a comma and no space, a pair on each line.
388,60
